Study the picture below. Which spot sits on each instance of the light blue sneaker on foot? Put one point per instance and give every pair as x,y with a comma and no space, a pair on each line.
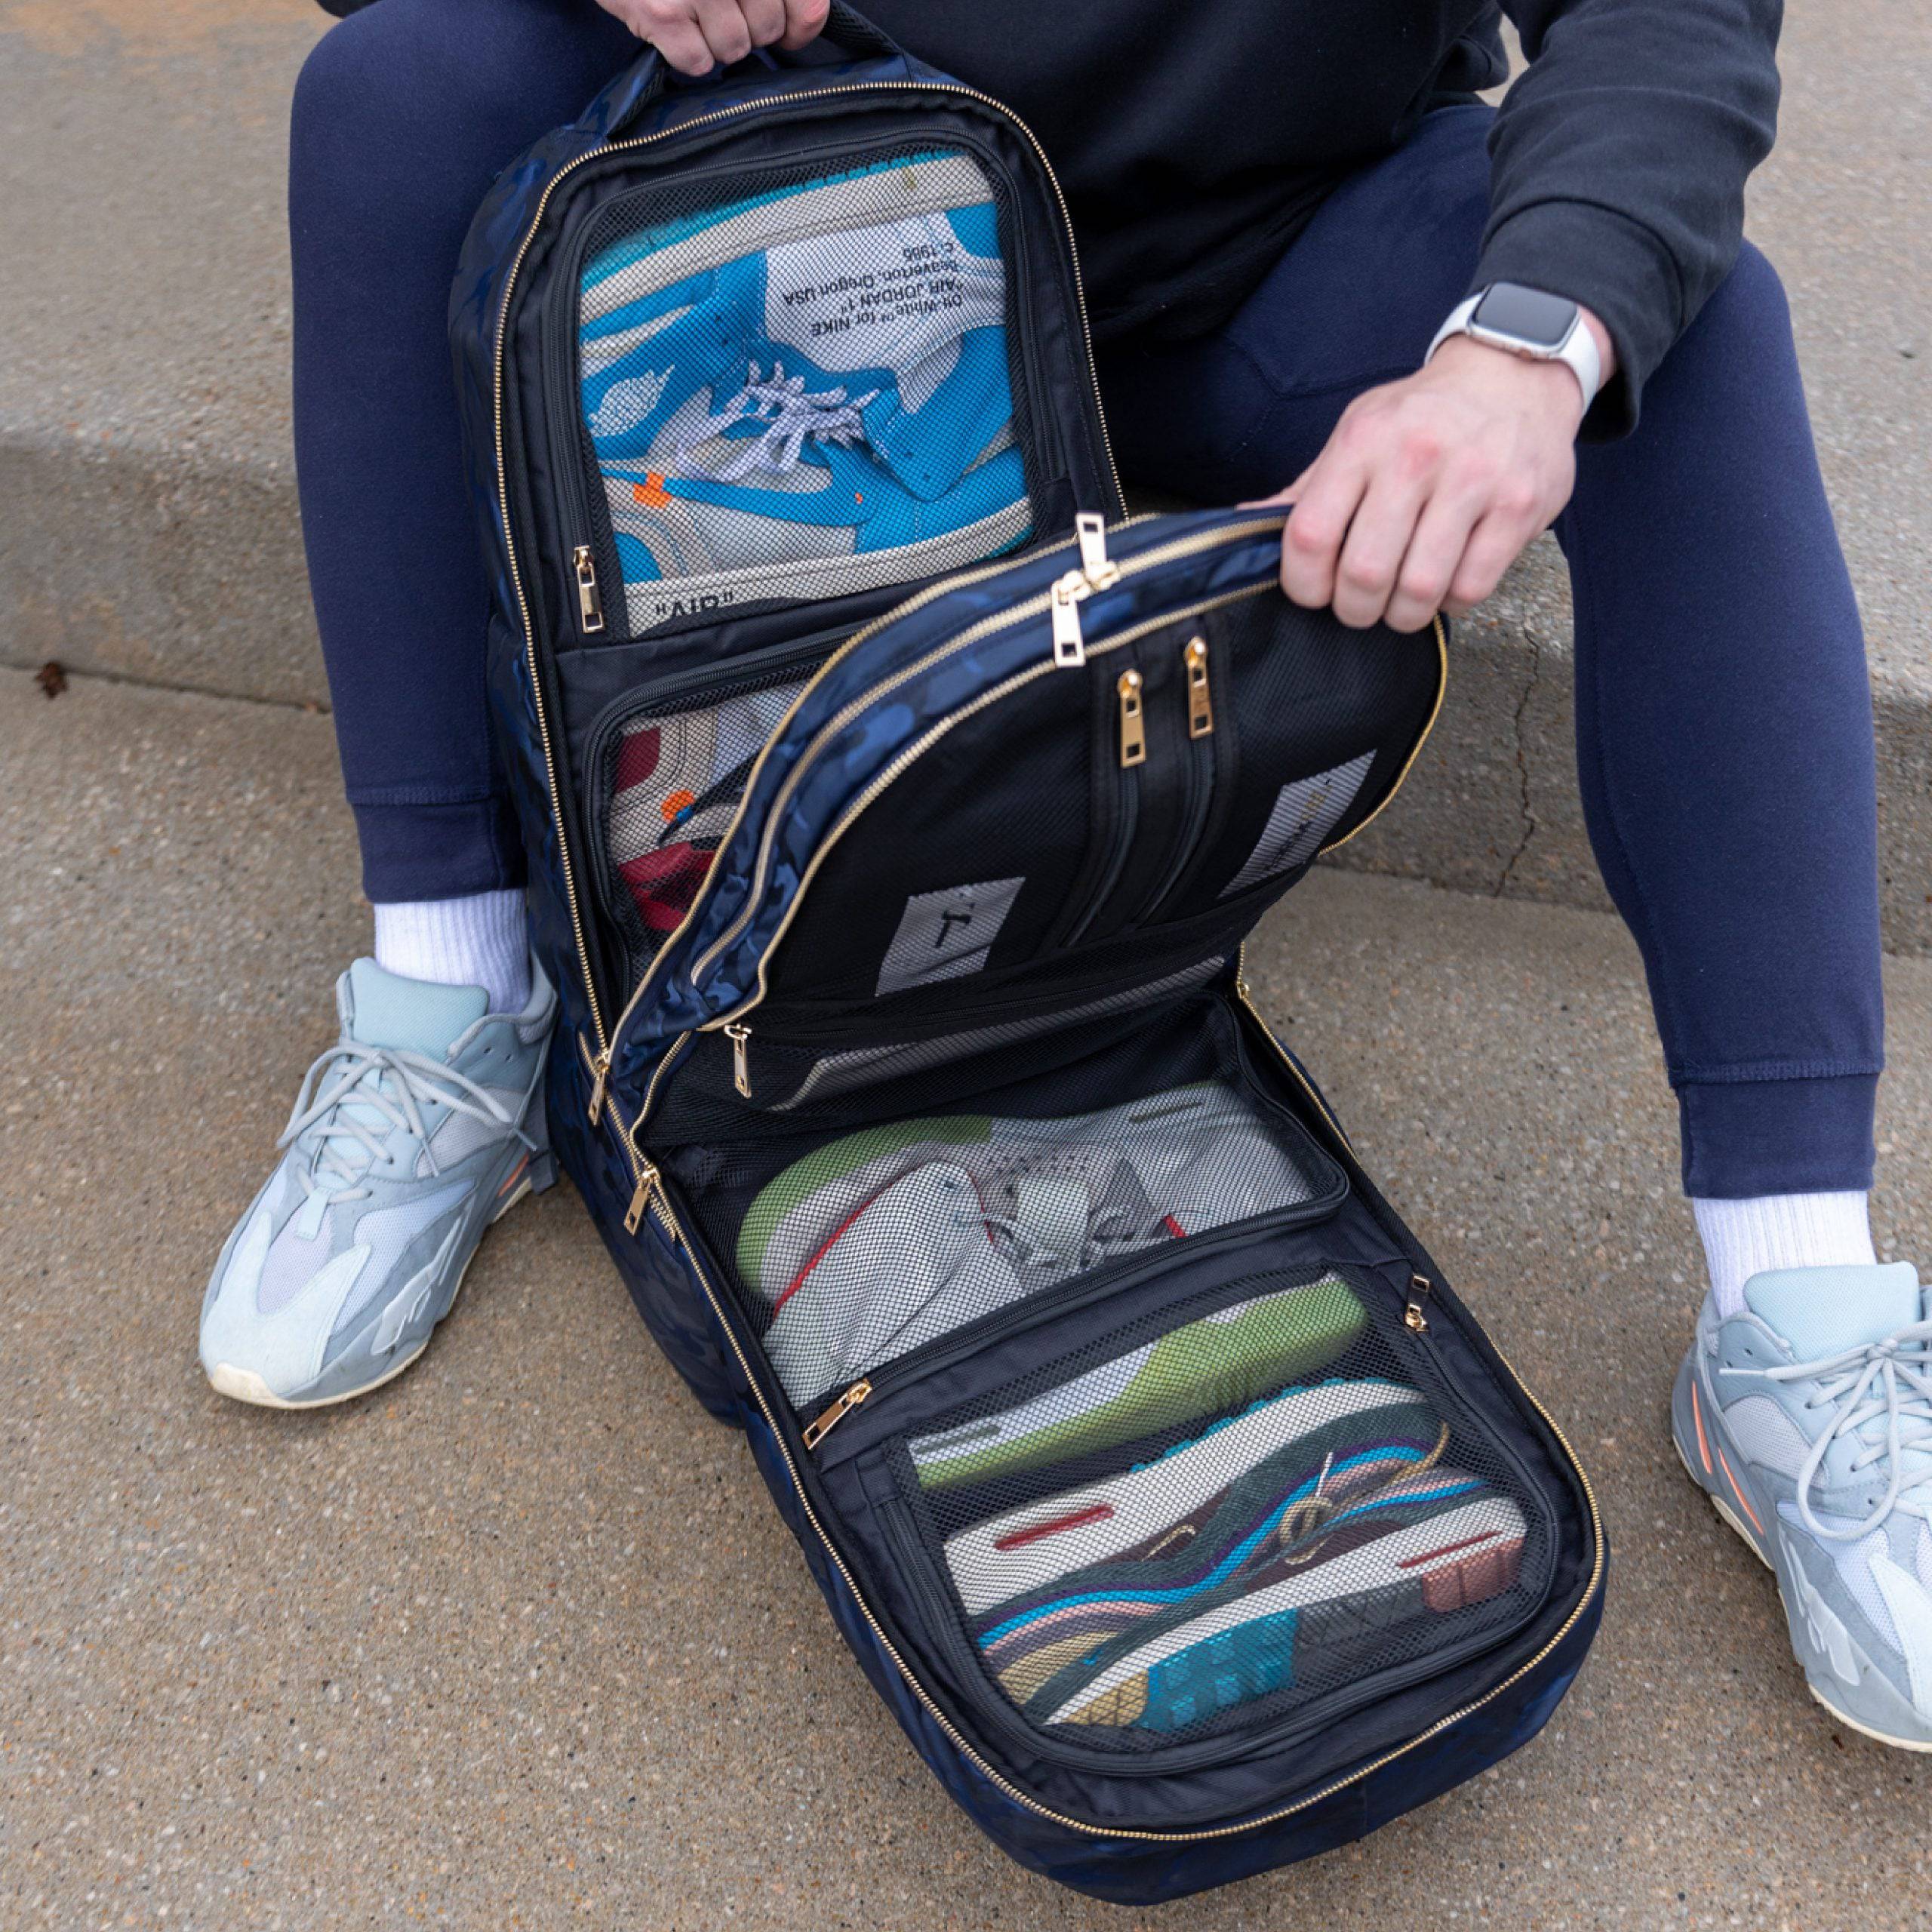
410,1135
1807,1420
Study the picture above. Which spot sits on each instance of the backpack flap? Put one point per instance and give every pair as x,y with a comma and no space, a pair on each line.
955,816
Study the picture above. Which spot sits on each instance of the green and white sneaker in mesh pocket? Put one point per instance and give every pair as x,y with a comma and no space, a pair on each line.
1807,1418
422,1125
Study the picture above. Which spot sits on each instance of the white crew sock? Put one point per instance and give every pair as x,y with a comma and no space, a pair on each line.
482,940
1746,1237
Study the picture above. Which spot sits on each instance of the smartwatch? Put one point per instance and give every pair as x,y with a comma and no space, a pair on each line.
1528,322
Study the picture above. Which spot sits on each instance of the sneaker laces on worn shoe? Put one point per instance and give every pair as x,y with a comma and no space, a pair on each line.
789,414
354,1096
1890,1379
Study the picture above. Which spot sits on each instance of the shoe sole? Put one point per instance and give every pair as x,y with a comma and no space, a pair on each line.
244,1385
1216,1365
1730,1518
1396,1561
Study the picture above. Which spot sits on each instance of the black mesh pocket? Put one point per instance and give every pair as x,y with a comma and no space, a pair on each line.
855,1250
800,385
1221,1517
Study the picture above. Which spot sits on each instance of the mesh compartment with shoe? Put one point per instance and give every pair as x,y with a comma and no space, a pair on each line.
797,385
896,812
848,1251
1253,1509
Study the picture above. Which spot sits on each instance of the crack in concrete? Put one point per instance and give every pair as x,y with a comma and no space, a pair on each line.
133,681
1522,763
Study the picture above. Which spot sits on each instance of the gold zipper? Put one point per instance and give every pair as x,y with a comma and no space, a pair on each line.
647,1185
851,1400
1200,707
820,1427
1412,1317
740,1037
589,605
1133,730
608,148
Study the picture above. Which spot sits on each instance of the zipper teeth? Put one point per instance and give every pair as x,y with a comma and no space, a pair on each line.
986,627
979,1763
1301,1079
502,481
919,748
530,634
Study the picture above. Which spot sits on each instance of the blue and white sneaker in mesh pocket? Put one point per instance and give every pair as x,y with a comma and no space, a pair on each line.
1807,1418
422,1125
805,394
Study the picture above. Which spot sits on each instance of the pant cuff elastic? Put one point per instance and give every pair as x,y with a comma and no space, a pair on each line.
1748,1137
438,851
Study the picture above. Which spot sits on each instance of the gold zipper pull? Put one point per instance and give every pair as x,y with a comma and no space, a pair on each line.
820,1427
740,1037
1200,707
600,1085
647,1185
589,605
1132,731
1412,1317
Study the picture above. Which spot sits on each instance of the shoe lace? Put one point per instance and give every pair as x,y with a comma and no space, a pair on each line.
1115,1228
790,412
355,1097
1889,1380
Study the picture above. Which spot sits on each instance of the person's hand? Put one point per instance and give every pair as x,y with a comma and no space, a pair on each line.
696,35
1430,487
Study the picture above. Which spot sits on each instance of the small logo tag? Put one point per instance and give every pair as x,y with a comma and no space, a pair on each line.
1303,815
947,934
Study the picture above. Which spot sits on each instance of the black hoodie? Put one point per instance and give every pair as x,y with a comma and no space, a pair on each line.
1194,138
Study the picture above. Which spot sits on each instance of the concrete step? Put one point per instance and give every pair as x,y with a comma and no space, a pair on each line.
148,527
520,1638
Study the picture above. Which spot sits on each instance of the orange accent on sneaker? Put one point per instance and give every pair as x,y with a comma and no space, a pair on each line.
516,1174
1743,1501
1697,1417
651,491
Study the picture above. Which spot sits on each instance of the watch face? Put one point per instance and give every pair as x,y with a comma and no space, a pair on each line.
1528,314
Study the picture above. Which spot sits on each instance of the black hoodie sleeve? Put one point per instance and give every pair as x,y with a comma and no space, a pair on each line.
1618,165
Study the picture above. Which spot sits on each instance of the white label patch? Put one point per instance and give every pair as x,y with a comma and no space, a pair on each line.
909,291
947,934
1303,816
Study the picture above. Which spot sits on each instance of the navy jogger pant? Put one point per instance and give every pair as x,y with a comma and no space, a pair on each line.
1723,718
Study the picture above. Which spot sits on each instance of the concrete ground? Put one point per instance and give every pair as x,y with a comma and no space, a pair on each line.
519,1641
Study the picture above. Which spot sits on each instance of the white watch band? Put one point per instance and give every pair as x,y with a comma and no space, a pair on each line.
1577,351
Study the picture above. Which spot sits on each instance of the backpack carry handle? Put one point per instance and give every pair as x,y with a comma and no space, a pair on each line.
844,27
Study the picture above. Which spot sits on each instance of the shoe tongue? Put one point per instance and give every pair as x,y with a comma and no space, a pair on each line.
384,1009
1823,1311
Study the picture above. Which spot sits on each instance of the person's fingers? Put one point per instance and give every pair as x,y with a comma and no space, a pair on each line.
805,20
1495,543
1327,493
1399,485
722,24
669,27
1428,566
764,20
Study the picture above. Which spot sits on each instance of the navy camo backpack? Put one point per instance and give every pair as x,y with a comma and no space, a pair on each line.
896,811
